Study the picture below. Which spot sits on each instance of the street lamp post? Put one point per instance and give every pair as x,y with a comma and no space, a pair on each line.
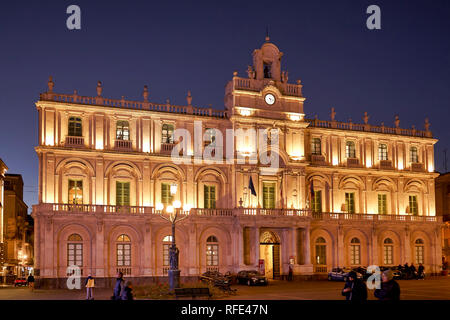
174,214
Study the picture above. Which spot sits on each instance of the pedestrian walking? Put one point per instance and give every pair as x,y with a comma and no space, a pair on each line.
390,290
354,288
412,269
290,274
90,284
127,292
30,282
421,272
407,271
118,287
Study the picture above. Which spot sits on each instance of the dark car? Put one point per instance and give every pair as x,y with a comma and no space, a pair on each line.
251,278
20,282
341,274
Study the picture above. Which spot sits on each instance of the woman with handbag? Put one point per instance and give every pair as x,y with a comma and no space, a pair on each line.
90,287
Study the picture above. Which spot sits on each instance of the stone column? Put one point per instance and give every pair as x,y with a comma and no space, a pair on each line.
307,245
148,266
374,248
340,247
99,249
255,246
407,246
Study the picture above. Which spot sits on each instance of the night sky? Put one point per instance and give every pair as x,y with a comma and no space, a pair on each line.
173,47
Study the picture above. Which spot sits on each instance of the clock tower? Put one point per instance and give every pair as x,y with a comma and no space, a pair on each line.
265,92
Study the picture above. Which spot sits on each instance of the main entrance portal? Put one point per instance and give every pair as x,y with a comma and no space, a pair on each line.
269,250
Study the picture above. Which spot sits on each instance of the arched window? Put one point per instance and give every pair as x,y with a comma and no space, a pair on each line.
388,251
419,250
122,130
212,252
350,150
414,155
123,250
167,133
316,146
167,242
382,152
321,251
75,250
355,251
75,127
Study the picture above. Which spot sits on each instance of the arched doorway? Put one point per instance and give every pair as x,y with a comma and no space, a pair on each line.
269,251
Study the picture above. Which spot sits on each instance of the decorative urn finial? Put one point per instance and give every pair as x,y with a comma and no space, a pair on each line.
366,118
427,124
145,93
50,84
99,88
332,114
189,98
397,121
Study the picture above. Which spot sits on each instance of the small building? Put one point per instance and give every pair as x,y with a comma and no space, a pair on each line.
443,209
17,229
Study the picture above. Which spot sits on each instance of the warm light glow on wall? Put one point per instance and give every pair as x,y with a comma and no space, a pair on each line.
49,139
99,144
146,147
430,168
400,166
335,161
294,117
368,163
245,112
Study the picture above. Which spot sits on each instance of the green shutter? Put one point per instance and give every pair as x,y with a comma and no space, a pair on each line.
166,197
122,193
382,204
350,202
209,197
317,201
268,195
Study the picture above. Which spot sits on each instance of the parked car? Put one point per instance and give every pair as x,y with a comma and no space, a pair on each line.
20,282
251,278
341,274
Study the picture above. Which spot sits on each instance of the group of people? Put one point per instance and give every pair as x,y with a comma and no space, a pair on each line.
123,290
410,272
356,290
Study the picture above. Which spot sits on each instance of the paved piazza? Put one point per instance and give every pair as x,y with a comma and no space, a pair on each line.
431,289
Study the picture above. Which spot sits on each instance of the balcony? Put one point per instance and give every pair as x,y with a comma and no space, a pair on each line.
417,167
318,159
60,208
123,145
353,163
166,148
386,165
72,141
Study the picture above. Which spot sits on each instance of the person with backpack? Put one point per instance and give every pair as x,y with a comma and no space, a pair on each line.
89,287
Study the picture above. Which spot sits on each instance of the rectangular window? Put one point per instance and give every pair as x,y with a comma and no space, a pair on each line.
269,195
166,196
388,256
212,255
75,254
350,202
414,155
316,148
123,254
167,133
419,254
382,152
209,195
166,261
122,130
355,254
122,193
316,204
350,149
413,207
75,192
210,137
382,204
321,254
75,127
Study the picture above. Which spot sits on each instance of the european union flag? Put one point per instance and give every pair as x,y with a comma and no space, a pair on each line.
251,186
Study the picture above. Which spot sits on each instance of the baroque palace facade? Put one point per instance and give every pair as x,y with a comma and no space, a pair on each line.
343,194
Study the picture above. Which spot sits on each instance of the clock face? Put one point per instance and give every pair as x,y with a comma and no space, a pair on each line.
269,98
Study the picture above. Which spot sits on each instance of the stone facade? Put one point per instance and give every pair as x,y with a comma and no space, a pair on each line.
342,194
443,209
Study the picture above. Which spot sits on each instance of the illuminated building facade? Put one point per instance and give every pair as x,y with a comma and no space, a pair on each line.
342,194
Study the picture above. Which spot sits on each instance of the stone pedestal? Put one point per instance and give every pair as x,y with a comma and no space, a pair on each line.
174,279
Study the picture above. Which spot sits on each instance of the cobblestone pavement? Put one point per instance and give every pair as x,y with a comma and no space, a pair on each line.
436,288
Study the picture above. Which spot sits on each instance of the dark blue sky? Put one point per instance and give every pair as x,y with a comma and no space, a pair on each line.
173,47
